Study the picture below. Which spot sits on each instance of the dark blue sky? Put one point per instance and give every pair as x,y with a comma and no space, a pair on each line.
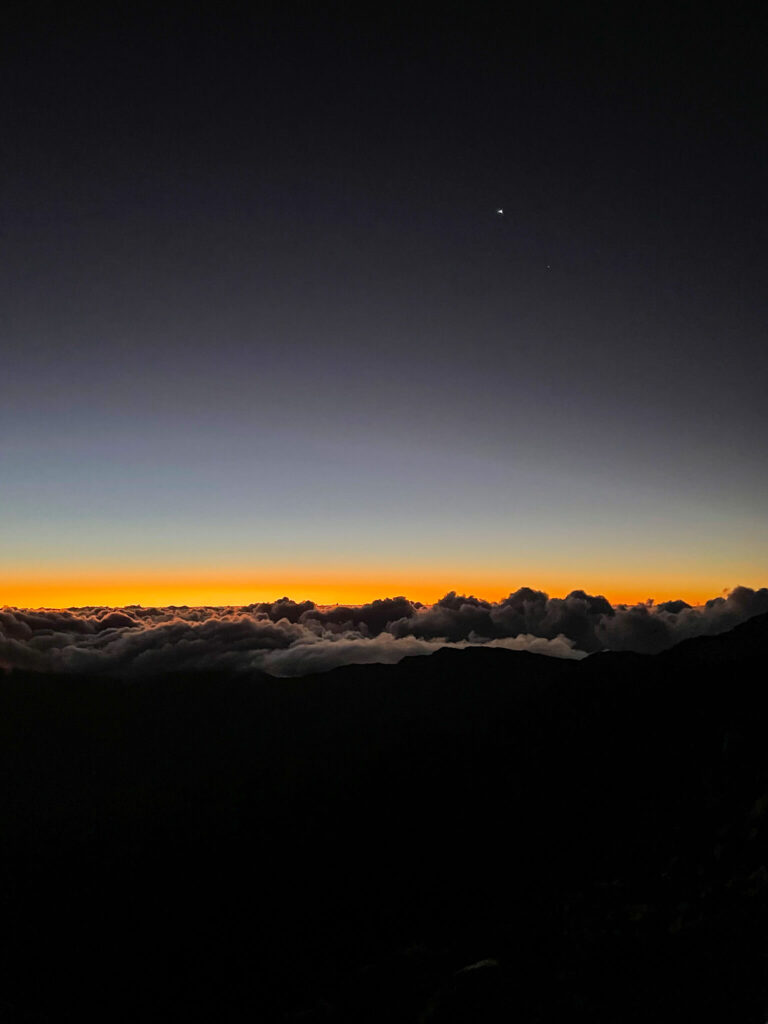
258,309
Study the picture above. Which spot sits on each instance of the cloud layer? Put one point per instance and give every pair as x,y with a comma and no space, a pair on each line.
286,638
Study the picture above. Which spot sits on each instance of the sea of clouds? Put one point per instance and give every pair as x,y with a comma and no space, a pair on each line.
288,638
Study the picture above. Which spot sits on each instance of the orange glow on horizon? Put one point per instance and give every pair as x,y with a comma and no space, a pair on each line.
64,590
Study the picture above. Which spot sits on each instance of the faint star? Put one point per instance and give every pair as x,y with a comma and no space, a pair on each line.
500,213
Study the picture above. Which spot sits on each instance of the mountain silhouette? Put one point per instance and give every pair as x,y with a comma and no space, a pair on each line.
476,835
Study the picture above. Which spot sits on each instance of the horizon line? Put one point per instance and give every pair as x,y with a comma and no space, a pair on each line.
66,596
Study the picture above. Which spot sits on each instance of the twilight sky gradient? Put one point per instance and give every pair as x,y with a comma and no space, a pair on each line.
263,332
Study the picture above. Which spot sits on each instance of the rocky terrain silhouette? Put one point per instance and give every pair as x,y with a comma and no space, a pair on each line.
477,835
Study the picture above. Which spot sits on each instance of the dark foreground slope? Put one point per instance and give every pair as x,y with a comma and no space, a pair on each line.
591,836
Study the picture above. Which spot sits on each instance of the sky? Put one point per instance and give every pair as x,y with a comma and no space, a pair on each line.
263,331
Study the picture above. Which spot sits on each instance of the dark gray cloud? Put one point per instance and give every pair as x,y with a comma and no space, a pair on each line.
650,628
591,622
369,619
301,640
287,638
